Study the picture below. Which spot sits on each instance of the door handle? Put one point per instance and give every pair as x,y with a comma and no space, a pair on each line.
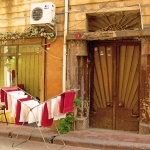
121,104
109,104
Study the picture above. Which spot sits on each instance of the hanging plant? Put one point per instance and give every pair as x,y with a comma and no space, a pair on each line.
30,32
77,102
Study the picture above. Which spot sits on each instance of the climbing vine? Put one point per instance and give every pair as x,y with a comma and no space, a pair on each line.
30,32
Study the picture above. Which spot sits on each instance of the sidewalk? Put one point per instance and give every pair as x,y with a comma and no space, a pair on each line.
91,138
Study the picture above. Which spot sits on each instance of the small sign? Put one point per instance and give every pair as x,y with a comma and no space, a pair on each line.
78,35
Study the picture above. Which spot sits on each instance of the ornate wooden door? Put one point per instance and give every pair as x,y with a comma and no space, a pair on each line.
115,86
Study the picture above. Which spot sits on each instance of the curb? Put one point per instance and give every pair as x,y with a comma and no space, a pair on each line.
101,144
78,142
25,136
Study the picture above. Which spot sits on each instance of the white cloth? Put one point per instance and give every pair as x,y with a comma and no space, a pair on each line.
40,113
57,114
29,111
9,97
54,109
50,108
14,103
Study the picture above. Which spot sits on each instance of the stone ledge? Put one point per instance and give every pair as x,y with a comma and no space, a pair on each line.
101,144
144,128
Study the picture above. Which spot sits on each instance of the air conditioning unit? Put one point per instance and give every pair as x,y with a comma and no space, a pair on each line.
42,13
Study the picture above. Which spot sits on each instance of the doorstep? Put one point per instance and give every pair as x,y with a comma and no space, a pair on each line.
90,138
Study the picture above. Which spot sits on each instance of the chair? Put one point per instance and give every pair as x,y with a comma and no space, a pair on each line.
2,111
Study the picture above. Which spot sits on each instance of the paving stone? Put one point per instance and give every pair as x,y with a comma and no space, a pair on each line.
90,138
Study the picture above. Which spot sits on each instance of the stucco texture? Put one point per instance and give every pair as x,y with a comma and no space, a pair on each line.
53,74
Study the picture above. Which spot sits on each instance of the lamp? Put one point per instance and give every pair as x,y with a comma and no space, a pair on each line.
48,46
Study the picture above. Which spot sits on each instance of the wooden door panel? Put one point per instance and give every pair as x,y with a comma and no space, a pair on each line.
104,70
120,109
110,68
102,88
102,118
129,75
126,72
98,77
96,94
127,107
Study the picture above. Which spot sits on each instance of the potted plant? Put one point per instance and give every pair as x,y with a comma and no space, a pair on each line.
66,124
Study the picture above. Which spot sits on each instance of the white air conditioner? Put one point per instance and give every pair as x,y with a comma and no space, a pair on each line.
42,13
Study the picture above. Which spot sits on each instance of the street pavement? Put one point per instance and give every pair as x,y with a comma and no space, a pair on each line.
6,144
90,139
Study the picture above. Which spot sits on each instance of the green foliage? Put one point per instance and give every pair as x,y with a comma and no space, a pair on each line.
65,124
28,33
77,102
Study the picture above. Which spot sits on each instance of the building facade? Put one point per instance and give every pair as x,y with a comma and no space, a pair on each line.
100,47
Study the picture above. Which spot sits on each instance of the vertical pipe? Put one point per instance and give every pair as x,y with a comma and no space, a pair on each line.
65,46
141,16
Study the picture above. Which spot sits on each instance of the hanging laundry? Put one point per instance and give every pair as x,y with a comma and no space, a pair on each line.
66,102
50,108
40,110
29,111
21,86
45,120
12,94
53,106
0,95
57,113
12,88
14,103
5,97
18,110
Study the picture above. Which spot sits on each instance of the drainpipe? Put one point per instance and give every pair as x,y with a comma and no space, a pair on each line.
65,46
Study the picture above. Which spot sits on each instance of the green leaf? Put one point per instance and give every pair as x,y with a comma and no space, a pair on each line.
42,29
48,37
77,101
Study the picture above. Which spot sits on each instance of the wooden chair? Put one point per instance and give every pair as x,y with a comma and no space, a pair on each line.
2,109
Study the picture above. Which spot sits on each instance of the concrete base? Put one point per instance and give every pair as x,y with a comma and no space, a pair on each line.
144,128
81,123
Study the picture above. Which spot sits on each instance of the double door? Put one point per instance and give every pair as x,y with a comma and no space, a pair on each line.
21,65
115,85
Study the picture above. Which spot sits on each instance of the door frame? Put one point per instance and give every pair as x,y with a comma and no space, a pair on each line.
33,41
115,83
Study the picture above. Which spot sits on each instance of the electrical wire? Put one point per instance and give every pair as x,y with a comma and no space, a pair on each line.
51,54
14,18
43,45
72,11
55,34
81,11
48,52
76,23
92,13
71,27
